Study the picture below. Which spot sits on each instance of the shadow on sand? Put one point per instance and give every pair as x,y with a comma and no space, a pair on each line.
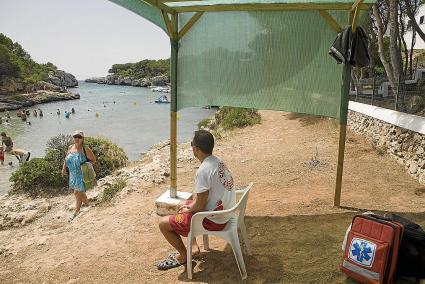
291,249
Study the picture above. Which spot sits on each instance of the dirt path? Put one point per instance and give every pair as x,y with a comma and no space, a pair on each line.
294,229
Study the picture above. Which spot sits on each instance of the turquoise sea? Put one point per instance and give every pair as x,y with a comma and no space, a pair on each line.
125,115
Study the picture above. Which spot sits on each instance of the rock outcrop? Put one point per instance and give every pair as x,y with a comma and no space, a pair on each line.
10,86
62,79
159,81
20,210
39,97
113,79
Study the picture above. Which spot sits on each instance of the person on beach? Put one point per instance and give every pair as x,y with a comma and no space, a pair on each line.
58,112
72,110
1,156
34,113
21,155
40,112
77,154
214,191
7,142
24,116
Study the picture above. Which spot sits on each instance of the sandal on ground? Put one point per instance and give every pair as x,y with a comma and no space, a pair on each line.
169,263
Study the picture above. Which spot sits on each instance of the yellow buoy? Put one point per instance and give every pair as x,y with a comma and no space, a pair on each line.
97,114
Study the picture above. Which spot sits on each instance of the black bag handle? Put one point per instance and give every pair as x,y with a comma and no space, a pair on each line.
85,155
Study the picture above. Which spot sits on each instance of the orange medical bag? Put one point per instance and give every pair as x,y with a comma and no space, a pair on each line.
371,250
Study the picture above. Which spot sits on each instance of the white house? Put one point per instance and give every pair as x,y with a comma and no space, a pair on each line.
420,19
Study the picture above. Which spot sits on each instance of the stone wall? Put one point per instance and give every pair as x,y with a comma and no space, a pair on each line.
406,146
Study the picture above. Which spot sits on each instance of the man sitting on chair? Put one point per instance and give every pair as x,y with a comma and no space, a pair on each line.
214,191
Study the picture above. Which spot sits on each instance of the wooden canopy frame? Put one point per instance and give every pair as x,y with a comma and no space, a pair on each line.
170,10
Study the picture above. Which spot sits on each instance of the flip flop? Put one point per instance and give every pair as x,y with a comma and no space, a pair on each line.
169,263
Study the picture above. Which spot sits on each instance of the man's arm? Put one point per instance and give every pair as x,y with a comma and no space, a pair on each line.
198,205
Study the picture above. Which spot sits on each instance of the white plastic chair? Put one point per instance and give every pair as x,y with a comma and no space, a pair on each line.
229,233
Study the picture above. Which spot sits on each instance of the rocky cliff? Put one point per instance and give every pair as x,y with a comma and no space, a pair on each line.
62,79
39,97
114,79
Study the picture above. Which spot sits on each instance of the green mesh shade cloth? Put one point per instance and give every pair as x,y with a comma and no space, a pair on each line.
267,60
261,59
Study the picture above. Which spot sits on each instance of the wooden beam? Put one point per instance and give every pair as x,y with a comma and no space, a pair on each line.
355,15
189,24
330,21
161,6
168,24
356,4
266,7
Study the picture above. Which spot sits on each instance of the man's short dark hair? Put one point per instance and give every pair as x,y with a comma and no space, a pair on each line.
3,134
204,141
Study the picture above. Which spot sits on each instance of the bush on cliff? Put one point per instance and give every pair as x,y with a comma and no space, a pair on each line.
36,177
109,156
232,117
15,62
142,69
43,175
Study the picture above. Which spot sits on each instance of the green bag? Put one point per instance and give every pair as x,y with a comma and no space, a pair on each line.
89,175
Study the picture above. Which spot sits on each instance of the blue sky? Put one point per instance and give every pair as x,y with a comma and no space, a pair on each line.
83,37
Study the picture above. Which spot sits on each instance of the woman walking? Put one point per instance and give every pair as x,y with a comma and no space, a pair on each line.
77,155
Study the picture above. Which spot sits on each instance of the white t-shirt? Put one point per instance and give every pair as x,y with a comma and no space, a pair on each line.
213,176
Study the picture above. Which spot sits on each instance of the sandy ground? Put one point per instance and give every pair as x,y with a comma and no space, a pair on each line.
294,229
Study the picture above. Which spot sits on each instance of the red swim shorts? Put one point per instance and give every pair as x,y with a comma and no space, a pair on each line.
181,223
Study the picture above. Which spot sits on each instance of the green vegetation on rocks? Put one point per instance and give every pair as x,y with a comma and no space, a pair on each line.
15,62
42,176
142,69
110,191
231,117
36,177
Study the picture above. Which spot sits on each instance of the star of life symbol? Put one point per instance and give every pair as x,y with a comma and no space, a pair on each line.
362,252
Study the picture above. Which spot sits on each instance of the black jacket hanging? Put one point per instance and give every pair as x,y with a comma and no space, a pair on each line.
351,48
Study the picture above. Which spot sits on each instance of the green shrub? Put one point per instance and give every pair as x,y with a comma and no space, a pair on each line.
204,123
109,156
110,191
231,117
36,177
56,150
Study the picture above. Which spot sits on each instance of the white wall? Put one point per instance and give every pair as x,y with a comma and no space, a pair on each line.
420,44
408,121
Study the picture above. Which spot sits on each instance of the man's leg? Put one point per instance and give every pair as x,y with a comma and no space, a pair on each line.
173,238
195,247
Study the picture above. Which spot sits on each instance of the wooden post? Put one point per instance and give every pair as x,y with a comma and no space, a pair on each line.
345,89
173,125
343,111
